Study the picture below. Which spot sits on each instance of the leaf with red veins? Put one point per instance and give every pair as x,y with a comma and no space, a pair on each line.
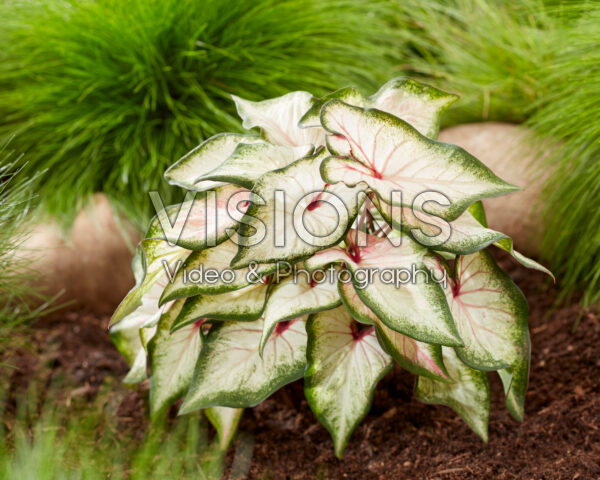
243,305
204,158
154,261
462,236
468,394
231,373
297,214
390,156
417,357
345,363
278,119
208,272
172,359
394,282
294,296
515,380
249,162
203,222
359,311
416,103
490,312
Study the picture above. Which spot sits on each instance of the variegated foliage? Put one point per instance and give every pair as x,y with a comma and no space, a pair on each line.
336,239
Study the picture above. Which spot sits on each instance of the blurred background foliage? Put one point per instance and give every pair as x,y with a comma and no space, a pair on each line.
103,95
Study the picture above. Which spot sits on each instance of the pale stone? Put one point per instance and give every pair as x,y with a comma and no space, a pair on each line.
511,152
90,265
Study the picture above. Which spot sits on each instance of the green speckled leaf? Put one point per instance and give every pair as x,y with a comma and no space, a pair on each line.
278,119
490,312
295,296
203,222
225,420
209,272
250,161
307,217
389,155
418,104
153,266
243,305
204,158
469,395
345,363
415,306
172,360
231,373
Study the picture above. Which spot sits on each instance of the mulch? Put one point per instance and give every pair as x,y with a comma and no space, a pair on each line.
401,438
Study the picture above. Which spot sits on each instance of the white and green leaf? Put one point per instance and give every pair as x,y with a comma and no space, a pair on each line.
204,158
302,214
515,380
225,420
417,357
231,373
490,312
414,305
202,222
389,155
345,363
469,395
249,162
133,332
418,104
461,236
243,305
295,296
278,119
172,359
127,339
359,311
506,244
208,272
155,262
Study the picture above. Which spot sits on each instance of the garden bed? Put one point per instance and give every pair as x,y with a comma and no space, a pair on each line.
401,437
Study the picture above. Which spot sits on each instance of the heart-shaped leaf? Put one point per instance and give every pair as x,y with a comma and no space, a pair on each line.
294,296
243,305
490,312
469,395
249,162
172,359
278,119
208,272
204,158
302,213
417,357
416,103
345,363
231,373
202,222
390,156
155,262
461,236
394,282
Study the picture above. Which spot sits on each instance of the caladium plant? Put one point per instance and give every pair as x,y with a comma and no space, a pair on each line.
338,239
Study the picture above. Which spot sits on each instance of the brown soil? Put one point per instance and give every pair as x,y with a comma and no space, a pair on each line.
400,438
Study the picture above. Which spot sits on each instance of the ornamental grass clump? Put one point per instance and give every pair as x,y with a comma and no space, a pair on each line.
104,94
338,239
